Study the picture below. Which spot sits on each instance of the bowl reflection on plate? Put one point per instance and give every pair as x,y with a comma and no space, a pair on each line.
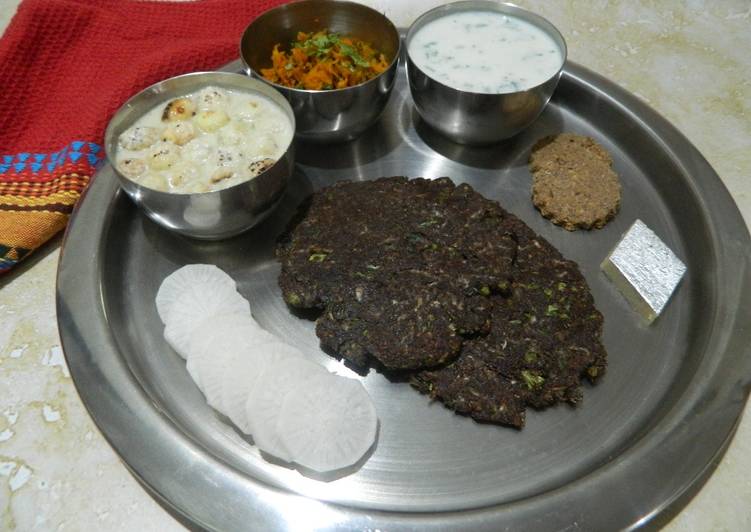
209,215
332,115
477,117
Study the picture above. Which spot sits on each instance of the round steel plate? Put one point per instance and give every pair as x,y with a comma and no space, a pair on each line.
647,433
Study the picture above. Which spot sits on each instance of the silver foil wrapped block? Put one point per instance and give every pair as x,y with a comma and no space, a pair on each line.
644,269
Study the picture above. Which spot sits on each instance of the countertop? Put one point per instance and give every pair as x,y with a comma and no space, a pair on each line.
689,60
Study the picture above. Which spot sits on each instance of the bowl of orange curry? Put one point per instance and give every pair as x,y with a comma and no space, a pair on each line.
334,61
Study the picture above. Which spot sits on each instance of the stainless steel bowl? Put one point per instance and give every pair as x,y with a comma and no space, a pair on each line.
206,215
327,115
479,118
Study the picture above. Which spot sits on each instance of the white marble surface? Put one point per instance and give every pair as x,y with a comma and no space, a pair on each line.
690,60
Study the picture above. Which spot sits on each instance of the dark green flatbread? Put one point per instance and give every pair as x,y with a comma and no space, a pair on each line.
443,285
399,265
545,336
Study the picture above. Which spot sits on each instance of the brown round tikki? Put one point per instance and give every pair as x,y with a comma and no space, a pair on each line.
574,184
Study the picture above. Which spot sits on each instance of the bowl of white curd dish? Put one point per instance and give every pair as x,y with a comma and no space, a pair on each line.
481,71
206,154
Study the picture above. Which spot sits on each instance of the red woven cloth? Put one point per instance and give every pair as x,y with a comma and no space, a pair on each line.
65,67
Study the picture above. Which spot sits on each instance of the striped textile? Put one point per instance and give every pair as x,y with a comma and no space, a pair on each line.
37,194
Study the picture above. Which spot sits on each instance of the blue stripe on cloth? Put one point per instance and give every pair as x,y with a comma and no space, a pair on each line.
74,152
6,264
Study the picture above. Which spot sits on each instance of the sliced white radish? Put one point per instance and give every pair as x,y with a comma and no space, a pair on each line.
224,329
240,377
214,347
214,381
184,278
294,409
264,402
211,372
328,424
215,335
195,305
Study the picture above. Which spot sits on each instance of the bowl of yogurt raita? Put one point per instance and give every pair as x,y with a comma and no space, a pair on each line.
481,71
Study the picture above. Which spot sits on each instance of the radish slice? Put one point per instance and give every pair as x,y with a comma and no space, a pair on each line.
238,380
185,278
195,305
294,409
212,372
242,377
216,335
220,331
281,379
207,372
328,424
215,346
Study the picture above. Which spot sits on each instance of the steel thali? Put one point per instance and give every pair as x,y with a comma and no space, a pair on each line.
648,433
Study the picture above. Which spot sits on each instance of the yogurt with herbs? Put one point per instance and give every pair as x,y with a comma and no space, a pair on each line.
208,140
485,52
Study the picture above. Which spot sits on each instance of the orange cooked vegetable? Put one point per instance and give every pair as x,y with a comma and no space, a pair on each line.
324,60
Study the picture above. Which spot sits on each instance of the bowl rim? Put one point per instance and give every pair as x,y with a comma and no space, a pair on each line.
292,5
507,8
156,87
